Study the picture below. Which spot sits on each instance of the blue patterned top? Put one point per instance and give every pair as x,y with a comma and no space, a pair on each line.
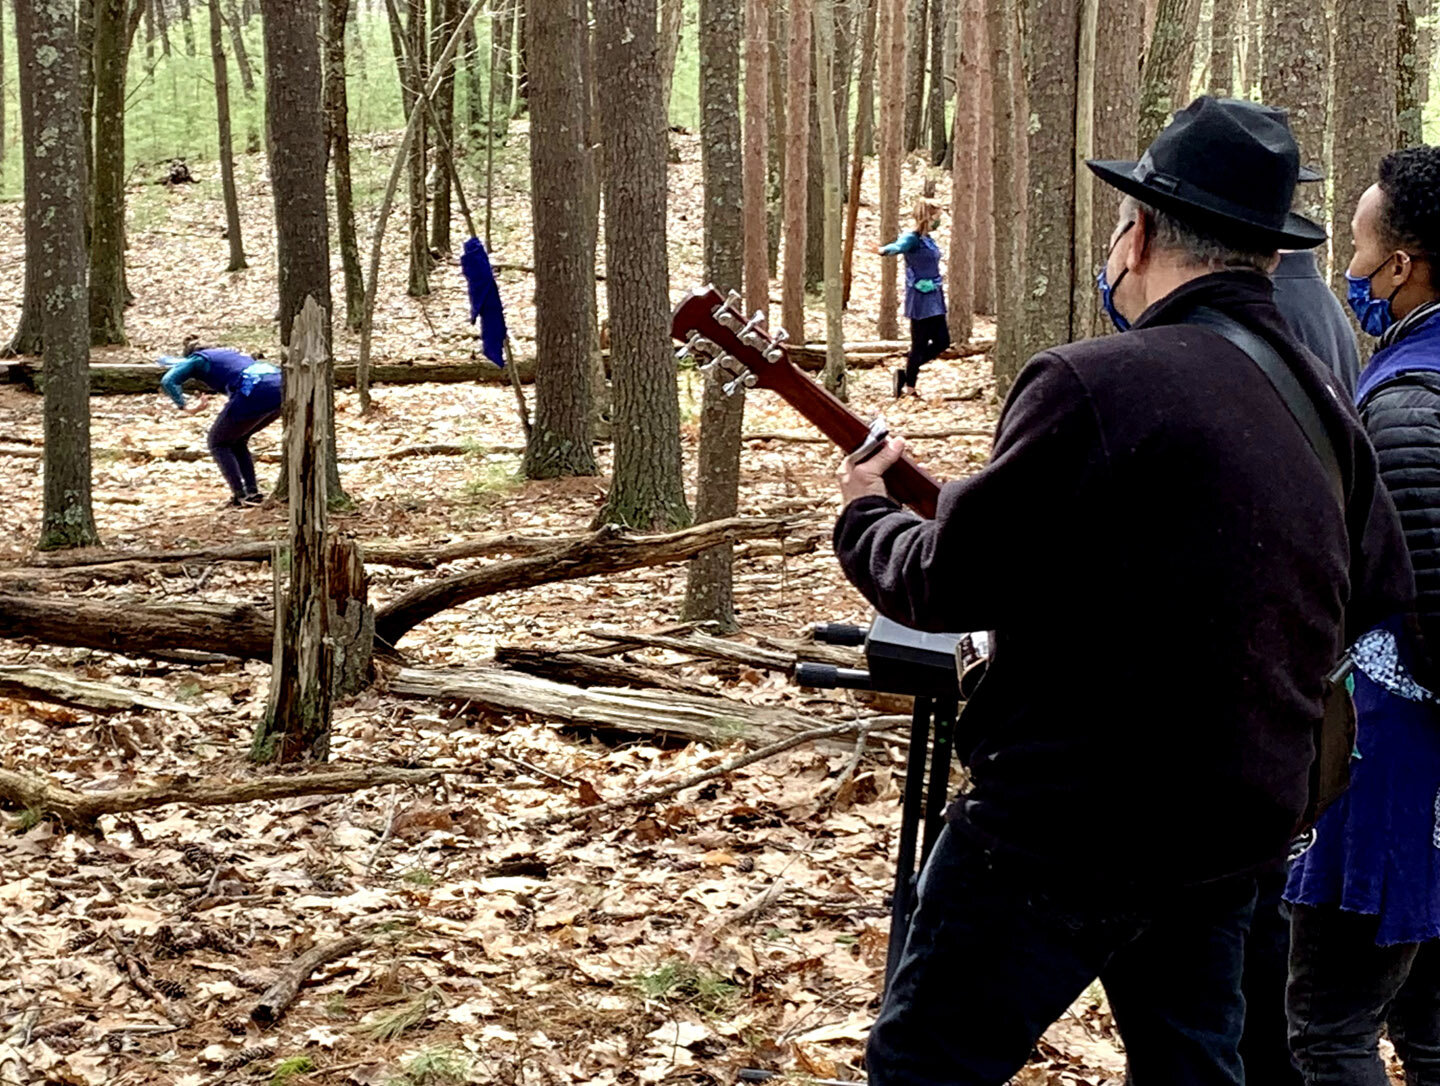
924,289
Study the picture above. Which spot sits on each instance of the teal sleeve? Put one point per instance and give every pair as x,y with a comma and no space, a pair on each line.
903,244
175,377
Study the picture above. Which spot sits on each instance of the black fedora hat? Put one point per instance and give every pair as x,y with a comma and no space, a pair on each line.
1226,167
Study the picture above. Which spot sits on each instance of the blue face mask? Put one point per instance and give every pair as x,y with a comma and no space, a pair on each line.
1374,314
1107,288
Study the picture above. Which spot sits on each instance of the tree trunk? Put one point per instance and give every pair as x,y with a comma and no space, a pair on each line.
1001,26
756,173
797,170
672,21
564,282
294,110
416,51
1364,31
107,239
1165,81
965,174
337,125
227,156
935,110
814,180
3,96
891,70
1117,114
86,28
28,337
444,117
1409,78
830,153
1084,256
1050,210
779,99
1251,35
50,30
297,718
915,41
1295,74
865,104
648,489
709,588
242,55
475,98
985,191
1222,46
601,405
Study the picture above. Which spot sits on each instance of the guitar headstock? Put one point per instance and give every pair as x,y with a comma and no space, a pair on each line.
742,350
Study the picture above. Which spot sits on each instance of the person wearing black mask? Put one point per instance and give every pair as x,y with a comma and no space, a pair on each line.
1152,493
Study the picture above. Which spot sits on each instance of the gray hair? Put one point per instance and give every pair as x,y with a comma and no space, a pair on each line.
1194,246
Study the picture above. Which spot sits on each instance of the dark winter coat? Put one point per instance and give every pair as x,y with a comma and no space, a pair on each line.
1316,316
1164,566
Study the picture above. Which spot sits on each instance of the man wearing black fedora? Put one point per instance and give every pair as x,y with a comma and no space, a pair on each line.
1171,550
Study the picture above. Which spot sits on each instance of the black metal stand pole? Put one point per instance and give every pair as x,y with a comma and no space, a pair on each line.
902,901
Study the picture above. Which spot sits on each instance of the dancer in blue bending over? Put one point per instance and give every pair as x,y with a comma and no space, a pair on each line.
924,294
252,403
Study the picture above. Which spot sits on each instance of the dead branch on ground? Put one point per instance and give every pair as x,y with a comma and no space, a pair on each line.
282,993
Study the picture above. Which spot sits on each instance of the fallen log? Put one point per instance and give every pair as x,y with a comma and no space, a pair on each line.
38,684
75,808
608,550
866,356
701,718
701,644
582,669
807,437
282,993
127,627
190,456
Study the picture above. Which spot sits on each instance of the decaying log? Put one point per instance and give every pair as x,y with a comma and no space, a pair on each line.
693,717
37,684
582,669
869,355
73,808
127,627
701,644
609,550
282,993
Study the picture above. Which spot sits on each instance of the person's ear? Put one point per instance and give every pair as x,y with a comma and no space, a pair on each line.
1135,242
1401,269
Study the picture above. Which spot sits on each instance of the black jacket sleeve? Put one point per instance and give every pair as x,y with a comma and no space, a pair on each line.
979,554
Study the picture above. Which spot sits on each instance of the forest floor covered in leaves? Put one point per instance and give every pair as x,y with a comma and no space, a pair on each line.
738,923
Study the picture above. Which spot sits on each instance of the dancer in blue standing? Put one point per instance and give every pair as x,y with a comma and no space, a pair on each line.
924,294
253,402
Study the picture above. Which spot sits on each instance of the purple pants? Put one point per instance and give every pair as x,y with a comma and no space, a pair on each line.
229,440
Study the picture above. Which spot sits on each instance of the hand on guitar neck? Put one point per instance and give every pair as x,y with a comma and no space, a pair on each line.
714,329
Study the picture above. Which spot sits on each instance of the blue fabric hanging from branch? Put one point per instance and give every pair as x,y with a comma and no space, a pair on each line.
484,300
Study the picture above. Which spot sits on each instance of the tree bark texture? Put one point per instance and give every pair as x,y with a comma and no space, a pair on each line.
965,173
28,337
797,169
985,188
672,22
648,489
915,49
564,281
125,626
227,155
935,98
891,88
864,140
1050,209
824,18
107,236
67,520
2,84
1117,114
1409,77
1222,47
1009,177
757,142
1364,31
444,119
1295,77
337,126
709,585
779,99
297,717
1082,302
416,51
242,55
1164,84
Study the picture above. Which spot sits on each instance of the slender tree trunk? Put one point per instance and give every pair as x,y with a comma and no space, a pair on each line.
1409,79
1167,67
564,281
757,139
865,147
444,115
914,86
936,108
601,403
187,27
1296,73
474,89
4,105
1365,30
672,22
709,589
779,99
985,191
1085,257
824,18
107,240
242,55
1009,237
28,337
295,119
847,27
49,26
965,174
227,156
648,489
86,30
814,181
797,173
1117,113
892,106
1222,46
337,126
415,70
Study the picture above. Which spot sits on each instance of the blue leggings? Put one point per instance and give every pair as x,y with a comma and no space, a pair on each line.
241,417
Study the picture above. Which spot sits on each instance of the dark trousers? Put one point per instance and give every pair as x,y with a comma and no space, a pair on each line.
1264,1048
998,951
928,337
1344,989
229,439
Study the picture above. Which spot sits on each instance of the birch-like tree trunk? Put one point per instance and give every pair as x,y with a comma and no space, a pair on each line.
797,172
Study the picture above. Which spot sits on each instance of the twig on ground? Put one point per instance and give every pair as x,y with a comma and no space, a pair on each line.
282,993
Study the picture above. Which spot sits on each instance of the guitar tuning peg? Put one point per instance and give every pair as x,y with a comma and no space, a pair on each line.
780,336
697,344
720,361
735,301
745,380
